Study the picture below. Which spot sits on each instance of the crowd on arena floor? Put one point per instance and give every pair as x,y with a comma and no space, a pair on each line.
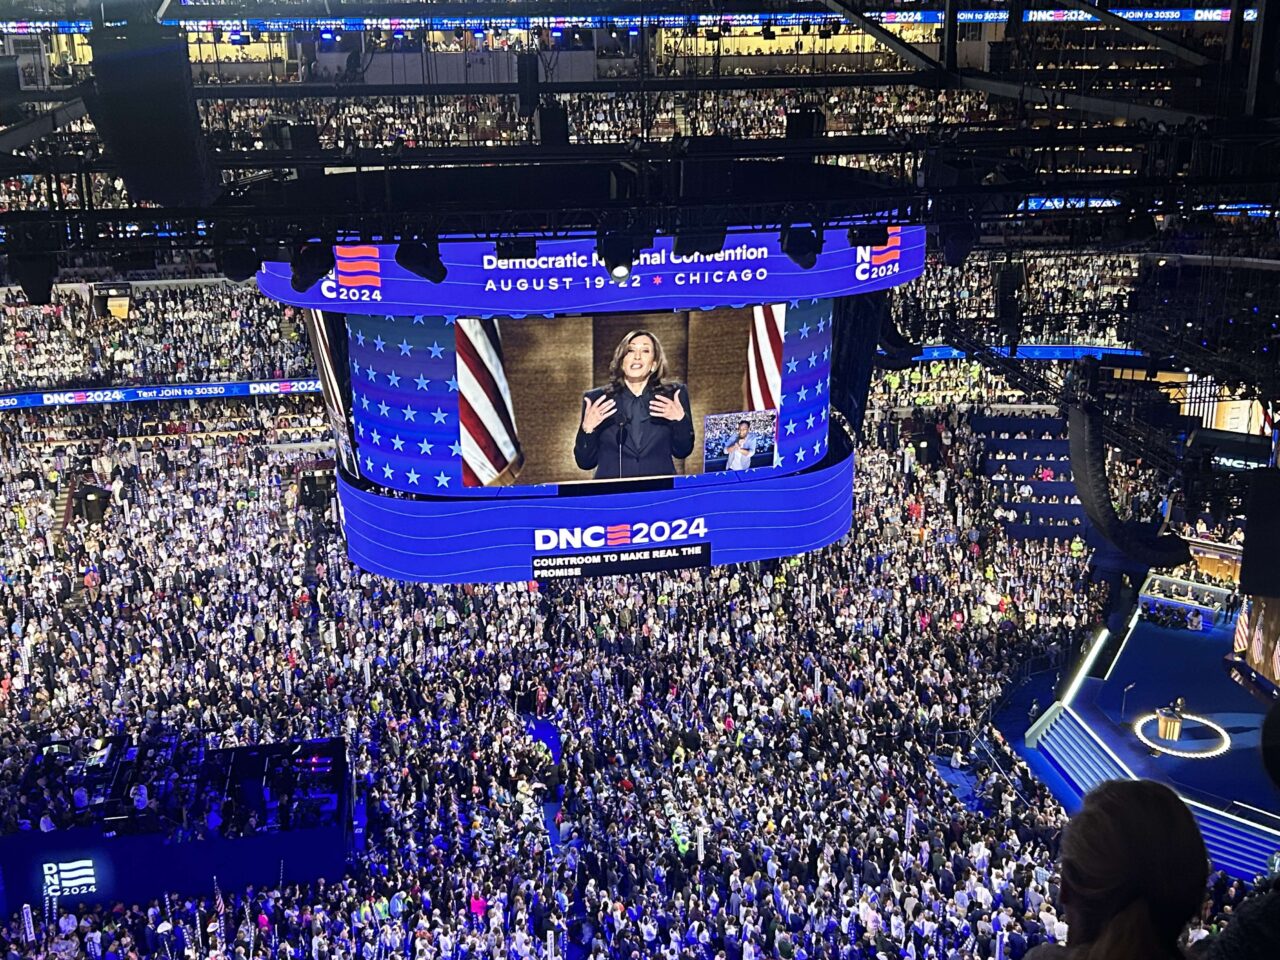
910,625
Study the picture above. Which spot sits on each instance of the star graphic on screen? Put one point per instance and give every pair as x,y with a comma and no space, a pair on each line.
419,318
379,343
368,465
450,321
791,427
383,408
360,337
817,448
824,414
364,402
809,422
373,374
800,454
360,429
414,476
421,381
424,446
409,414
792,365
453,384
803,393
355,367
456,447
377,437
804,331
813,359
397,443
826,353
439,415
393,379
817,387
442,479
405,349
387,471
436,350
657,281
822,322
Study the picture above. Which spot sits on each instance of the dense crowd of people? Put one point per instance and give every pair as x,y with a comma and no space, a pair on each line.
757,707
170,333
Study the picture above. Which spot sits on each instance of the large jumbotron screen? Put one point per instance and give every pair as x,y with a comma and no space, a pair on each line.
485,431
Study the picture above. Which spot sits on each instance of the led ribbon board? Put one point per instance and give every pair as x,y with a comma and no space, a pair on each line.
565,276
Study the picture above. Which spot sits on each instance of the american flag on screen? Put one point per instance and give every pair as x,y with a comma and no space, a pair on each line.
491,454
764,356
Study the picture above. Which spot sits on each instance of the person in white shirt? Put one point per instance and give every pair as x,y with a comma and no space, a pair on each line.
742,449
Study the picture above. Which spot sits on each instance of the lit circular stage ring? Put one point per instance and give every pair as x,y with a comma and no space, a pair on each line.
1217,750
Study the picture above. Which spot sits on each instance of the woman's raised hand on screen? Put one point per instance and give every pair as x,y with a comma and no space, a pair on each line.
596,413
666,408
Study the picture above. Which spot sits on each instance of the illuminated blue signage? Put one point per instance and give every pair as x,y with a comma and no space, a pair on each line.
565,276
522,538
75,397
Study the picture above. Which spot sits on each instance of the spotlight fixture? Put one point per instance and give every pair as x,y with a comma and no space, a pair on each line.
868,235
767,32
516,248
617,251
422,259
311,261
802,245
238,264
805,26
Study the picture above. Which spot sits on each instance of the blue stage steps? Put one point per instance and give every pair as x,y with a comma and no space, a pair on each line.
1237,846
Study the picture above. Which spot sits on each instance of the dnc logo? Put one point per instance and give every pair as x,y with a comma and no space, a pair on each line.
357,272
882,261
66,879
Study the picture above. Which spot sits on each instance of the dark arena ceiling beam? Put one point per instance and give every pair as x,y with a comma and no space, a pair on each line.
1139,32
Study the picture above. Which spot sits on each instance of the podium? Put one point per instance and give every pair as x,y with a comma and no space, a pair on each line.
1169,723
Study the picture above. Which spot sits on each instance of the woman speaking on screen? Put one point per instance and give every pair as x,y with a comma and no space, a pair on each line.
638,424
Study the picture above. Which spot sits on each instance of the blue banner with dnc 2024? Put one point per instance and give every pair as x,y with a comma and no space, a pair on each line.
566,276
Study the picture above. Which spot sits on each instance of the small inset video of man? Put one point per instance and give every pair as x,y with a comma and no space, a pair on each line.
739,441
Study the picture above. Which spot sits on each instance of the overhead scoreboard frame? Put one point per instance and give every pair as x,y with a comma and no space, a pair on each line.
387,346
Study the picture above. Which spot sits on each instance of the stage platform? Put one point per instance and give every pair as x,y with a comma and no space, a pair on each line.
1086,742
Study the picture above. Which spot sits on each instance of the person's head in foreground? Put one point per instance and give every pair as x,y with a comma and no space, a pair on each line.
1134,869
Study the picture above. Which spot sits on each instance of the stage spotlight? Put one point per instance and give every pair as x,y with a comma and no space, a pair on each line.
767,32
869,235
617,251
706,243
802,245
34,273
311,262
423,260
238,264
516,248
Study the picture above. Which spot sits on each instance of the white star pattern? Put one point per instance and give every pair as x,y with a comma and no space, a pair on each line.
804,331
377,438
409,414
413,476
436,350
360,428
809,422
373,374
456,448
817,448
804,393
813,359
800,454
442,479
792,364
368,465
424,447
397,443
383,408
364,402
419,319
387,471
438,415
393,379
405,348
360,338
421,381
817,387
453,384
791,427
379,343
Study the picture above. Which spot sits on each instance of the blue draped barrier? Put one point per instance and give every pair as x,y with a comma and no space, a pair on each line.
1029,448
